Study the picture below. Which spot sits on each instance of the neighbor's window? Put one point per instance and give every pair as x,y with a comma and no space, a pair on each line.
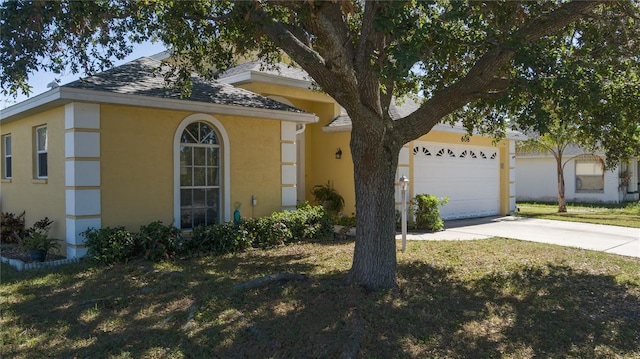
41,152
6,143
589,176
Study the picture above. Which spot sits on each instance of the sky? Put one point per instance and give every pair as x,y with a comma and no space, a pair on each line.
40,79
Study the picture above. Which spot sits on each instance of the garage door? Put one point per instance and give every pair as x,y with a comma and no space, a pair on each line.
468,175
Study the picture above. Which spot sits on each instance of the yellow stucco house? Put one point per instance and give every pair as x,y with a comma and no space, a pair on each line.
477,176
119,149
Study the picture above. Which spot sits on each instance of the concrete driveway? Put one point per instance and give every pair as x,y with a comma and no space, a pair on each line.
610,239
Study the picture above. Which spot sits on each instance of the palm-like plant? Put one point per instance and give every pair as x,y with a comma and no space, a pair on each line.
555,141
329,198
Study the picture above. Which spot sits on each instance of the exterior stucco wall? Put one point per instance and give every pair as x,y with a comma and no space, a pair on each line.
137,164
23,192
537,181
321,165
321,147
255,164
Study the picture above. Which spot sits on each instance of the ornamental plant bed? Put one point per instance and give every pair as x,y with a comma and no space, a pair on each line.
15,251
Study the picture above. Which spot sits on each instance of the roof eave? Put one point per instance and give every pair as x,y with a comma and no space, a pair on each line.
41,102
257,76
63,95
336,129
438,127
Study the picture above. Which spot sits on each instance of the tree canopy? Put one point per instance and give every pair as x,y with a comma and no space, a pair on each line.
494,63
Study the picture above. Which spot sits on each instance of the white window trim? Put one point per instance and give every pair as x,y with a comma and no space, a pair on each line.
39,152
7,155
576,175
226,173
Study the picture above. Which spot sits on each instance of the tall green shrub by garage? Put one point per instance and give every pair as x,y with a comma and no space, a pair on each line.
427,211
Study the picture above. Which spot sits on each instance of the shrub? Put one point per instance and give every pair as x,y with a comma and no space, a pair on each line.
427,211
347,221
37,237
219,239
11,227
158,241
329,198
110,245
306,222
266,232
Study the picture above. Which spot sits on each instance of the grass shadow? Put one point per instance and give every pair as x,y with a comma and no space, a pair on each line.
443,308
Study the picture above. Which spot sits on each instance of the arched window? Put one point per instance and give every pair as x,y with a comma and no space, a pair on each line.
200,175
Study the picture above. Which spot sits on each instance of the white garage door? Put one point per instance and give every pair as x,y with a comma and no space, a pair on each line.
468,175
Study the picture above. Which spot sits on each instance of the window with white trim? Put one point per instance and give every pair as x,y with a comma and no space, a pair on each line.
6,147
589,176
42,139
200,176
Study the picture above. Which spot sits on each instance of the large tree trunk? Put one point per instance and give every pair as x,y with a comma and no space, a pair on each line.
375,159
562,205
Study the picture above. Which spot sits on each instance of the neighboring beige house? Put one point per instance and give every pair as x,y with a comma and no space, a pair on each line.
586,179
119,149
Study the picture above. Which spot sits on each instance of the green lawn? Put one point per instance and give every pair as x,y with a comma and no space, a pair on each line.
457,299
626,215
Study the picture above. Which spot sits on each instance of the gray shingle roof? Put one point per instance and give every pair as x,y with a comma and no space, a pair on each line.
571,150
403,108
138,78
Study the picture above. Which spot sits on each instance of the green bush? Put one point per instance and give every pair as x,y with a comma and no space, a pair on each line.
318,222
427,211
266,232
218,239
329,198
159,241
109,245
306,222
347,221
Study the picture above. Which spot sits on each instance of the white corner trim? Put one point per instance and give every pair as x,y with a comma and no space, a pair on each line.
82,115
82,173
75,226
289,197
82,144
83,202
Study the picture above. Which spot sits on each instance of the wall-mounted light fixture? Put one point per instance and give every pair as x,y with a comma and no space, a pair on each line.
338,154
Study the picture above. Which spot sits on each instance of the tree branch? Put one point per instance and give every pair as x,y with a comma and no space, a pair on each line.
336,48
371,42
481,76
300,52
